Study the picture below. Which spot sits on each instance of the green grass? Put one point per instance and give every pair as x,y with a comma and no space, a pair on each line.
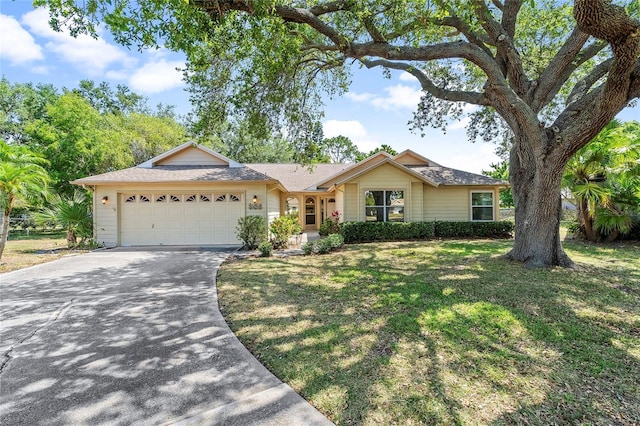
23,250
446,332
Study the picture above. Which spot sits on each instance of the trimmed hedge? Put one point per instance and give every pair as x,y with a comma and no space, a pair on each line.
501,229
364,232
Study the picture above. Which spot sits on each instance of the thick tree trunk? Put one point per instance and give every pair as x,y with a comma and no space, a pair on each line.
4,231
536,184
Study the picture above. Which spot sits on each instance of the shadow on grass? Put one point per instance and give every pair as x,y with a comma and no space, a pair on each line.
444,333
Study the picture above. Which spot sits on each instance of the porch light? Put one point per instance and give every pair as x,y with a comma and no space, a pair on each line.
255,204
105,199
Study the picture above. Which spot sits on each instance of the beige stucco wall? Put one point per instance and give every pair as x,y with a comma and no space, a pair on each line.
107,217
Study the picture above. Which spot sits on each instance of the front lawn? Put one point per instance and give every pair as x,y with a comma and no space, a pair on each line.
23,250
446,332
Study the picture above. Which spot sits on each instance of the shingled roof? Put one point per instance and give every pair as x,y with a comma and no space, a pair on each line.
165,174
298,178
446,176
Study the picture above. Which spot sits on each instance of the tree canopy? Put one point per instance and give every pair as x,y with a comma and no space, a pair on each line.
551,73
87,130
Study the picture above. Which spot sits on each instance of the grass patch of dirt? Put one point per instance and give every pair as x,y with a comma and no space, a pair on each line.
446,332
22,251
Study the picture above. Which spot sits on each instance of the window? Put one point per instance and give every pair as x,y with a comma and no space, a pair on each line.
384,206
221,198
144,199
190,199
130,199
234,198
482,206
204,198
161,198
174,198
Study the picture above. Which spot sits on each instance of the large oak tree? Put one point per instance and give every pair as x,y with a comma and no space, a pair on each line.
554,73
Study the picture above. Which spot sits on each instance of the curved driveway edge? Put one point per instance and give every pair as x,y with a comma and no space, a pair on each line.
131,336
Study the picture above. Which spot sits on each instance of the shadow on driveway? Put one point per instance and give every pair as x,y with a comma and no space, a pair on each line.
131,336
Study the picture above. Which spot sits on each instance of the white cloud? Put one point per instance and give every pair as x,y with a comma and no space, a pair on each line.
157,76
18,46
399,96
89,54
359,97
475,157
352,129
405,76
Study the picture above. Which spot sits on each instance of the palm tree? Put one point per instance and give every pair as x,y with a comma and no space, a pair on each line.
604,176
73,214
22,181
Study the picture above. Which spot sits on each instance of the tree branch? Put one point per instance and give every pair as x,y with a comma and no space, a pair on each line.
475,98
508,56
549,84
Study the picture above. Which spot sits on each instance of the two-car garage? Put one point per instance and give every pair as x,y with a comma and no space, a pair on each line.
179,218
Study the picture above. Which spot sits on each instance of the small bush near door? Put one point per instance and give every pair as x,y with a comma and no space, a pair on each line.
282,228
251,230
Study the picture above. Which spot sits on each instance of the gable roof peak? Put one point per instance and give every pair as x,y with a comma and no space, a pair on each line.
188,145
412,158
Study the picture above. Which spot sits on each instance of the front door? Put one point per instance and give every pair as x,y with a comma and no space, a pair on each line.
310,213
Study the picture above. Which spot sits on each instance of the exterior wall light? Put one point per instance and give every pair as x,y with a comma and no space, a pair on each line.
105,199
255,204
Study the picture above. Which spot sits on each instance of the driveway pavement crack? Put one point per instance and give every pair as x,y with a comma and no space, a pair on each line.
52,318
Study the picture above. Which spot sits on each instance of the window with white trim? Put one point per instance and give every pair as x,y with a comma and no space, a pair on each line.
130,199
384,206
482,206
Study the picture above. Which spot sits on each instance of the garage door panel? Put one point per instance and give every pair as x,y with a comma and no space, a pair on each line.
169,219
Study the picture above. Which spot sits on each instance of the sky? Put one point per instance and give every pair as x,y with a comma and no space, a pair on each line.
375,111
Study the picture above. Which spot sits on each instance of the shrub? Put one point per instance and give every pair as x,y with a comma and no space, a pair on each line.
501,229
266,249
336,241
331,225
282,228
307,248
324,245
362,232
251,230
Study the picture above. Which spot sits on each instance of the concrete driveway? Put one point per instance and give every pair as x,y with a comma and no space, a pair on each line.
129,336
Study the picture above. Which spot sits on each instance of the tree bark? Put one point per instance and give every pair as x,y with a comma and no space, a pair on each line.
536,184
4,231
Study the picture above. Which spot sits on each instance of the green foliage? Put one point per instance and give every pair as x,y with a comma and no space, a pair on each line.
23,183
324,245
604,178
500,229
360,232
251,230
283,227
266,249
331,225
383,148
340,149
21,104
78,141
73,214
501,171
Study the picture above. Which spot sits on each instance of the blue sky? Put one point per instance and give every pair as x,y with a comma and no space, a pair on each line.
374,112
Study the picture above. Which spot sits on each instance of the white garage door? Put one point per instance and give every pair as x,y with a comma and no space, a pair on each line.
179,218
